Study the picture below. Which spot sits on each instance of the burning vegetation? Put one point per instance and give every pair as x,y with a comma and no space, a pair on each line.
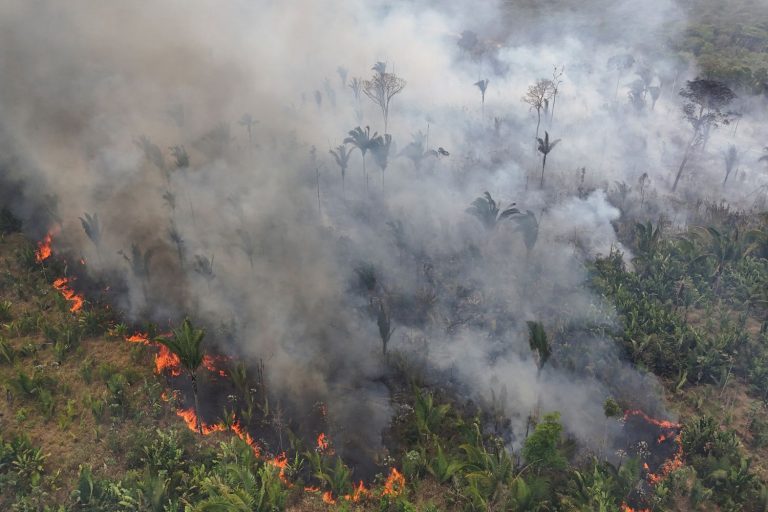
497,321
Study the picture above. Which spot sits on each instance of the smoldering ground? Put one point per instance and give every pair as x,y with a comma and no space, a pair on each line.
199,133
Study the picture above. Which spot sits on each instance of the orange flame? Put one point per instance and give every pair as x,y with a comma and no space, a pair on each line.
190,418
62,285
281,461
328,498
627,508
138,338
43,251
676,462
395,484
243,434
210,364
165,360
311,489
358,493
323,444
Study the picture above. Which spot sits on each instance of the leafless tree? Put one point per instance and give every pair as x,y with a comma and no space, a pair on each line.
381,88
538,98
557,81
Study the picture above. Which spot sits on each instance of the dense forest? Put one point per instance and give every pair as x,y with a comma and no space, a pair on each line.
405,255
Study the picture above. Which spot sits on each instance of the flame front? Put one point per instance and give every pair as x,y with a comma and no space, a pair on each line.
673,431
395,484
192,421
210,363
62,285
43,251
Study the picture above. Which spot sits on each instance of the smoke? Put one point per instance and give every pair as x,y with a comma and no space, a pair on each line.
228,227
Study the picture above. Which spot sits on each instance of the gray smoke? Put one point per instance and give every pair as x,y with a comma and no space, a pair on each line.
94,96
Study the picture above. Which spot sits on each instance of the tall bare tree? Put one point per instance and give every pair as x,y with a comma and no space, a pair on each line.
537,98
381,88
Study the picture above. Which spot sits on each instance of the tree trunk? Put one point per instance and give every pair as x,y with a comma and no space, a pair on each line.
552,113
366,175
685,160
543,165
193,378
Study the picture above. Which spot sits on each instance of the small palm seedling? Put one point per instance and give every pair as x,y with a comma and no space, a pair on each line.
186,343
341,154
488,212
545,147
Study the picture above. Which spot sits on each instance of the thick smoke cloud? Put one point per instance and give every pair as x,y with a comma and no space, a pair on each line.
82,83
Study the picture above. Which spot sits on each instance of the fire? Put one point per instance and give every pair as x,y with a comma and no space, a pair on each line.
190,418
240,432
138,338
43,251
395,484
281,461
311,489
323,444
328,498
673,432
627,508
210,364
62,285
670,425
165,360
358,493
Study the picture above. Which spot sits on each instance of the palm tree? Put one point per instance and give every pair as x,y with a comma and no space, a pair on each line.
341,155
545,147
731,158
380,149
248,122
482,85
487,211
537,339
185,343
527,223
92,229
363,141
384,321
